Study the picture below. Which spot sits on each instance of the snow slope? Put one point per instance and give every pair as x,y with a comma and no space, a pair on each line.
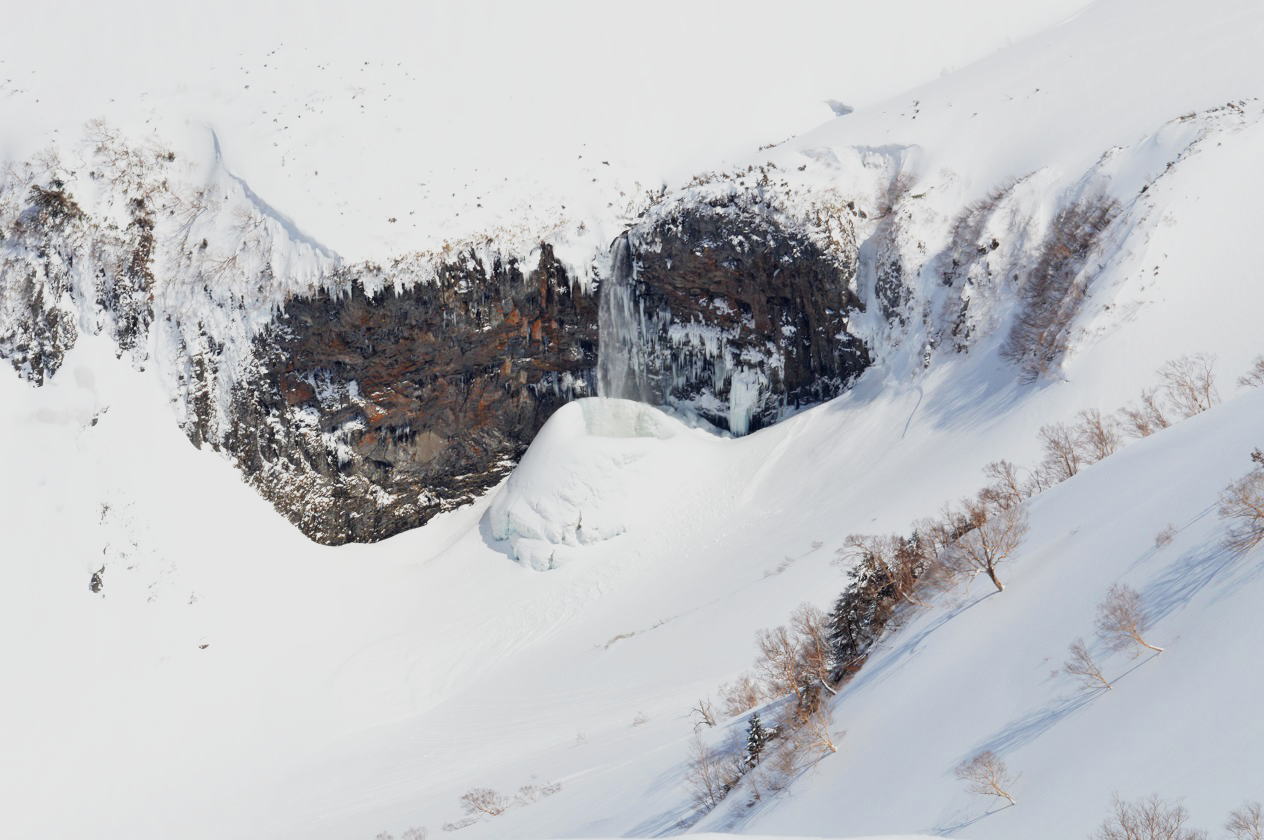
234,680
453,119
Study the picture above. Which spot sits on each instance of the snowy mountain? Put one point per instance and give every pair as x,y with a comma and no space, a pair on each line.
625,412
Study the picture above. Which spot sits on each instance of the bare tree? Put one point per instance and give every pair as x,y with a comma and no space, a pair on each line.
741,695
1121,618
1062,456
1242,503
1190,383
780,661
1146,417
992,542
1097,435
1247,822
705,710
1055,287
1254,377
484,800
1005,489
1081,665
710,774
1165,536
817,727
784,764
810,625
1148,819
986,774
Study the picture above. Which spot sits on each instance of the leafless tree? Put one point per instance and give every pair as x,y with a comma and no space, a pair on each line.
1097,435
414,834
1121,618
705,710
986,774
817,728
1081,665
1062,456
1190,383
785,763
1165,536
809,625
780,661
992,542
1005,489
1247,822
711,774
741,695
1148,819
1056,285
1254,377
1242,504
484,800
1146,417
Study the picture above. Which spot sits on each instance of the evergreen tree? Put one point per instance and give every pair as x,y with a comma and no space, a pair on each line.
860,614
756,739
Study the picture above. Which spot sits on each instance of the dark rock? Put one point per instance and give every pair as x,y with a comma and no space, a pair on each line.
371,414
745,319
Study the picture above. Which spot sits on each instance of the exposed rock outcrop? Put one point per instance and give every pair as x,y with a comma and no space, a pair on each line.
722,310
371,413
362,400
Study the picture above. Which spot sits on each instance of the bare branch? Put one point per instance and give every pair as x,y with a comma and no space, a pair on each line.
1148,819
1242,504
1254,377
484,801
1190,383
984,548
1081,665
987,775
1121,618
1247,822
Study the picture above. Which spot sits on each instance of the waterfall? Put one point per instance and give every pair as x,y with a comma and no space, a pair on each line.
690,364
622,332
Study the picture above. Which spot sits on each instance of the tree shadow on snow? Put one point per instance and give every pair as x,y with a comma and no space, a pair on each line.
1184,579
878,665
1032,725
952,828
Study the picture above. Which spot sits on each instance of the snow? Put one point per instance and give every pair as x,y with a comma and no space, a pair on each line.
235,680
455,119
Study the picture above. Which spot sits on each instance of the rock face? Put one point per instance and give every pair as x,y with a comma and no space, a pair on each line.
719,310
363,400
370,414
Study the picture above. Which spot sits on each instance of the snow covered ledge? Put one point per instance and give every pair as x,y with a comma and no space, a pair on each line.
572,487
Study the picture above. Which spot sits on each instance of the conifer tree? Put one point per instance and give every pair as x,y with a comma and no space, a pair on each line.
756,739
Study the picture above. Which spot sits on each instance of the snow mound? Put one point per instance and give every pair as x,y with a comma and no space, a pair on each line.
561,496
